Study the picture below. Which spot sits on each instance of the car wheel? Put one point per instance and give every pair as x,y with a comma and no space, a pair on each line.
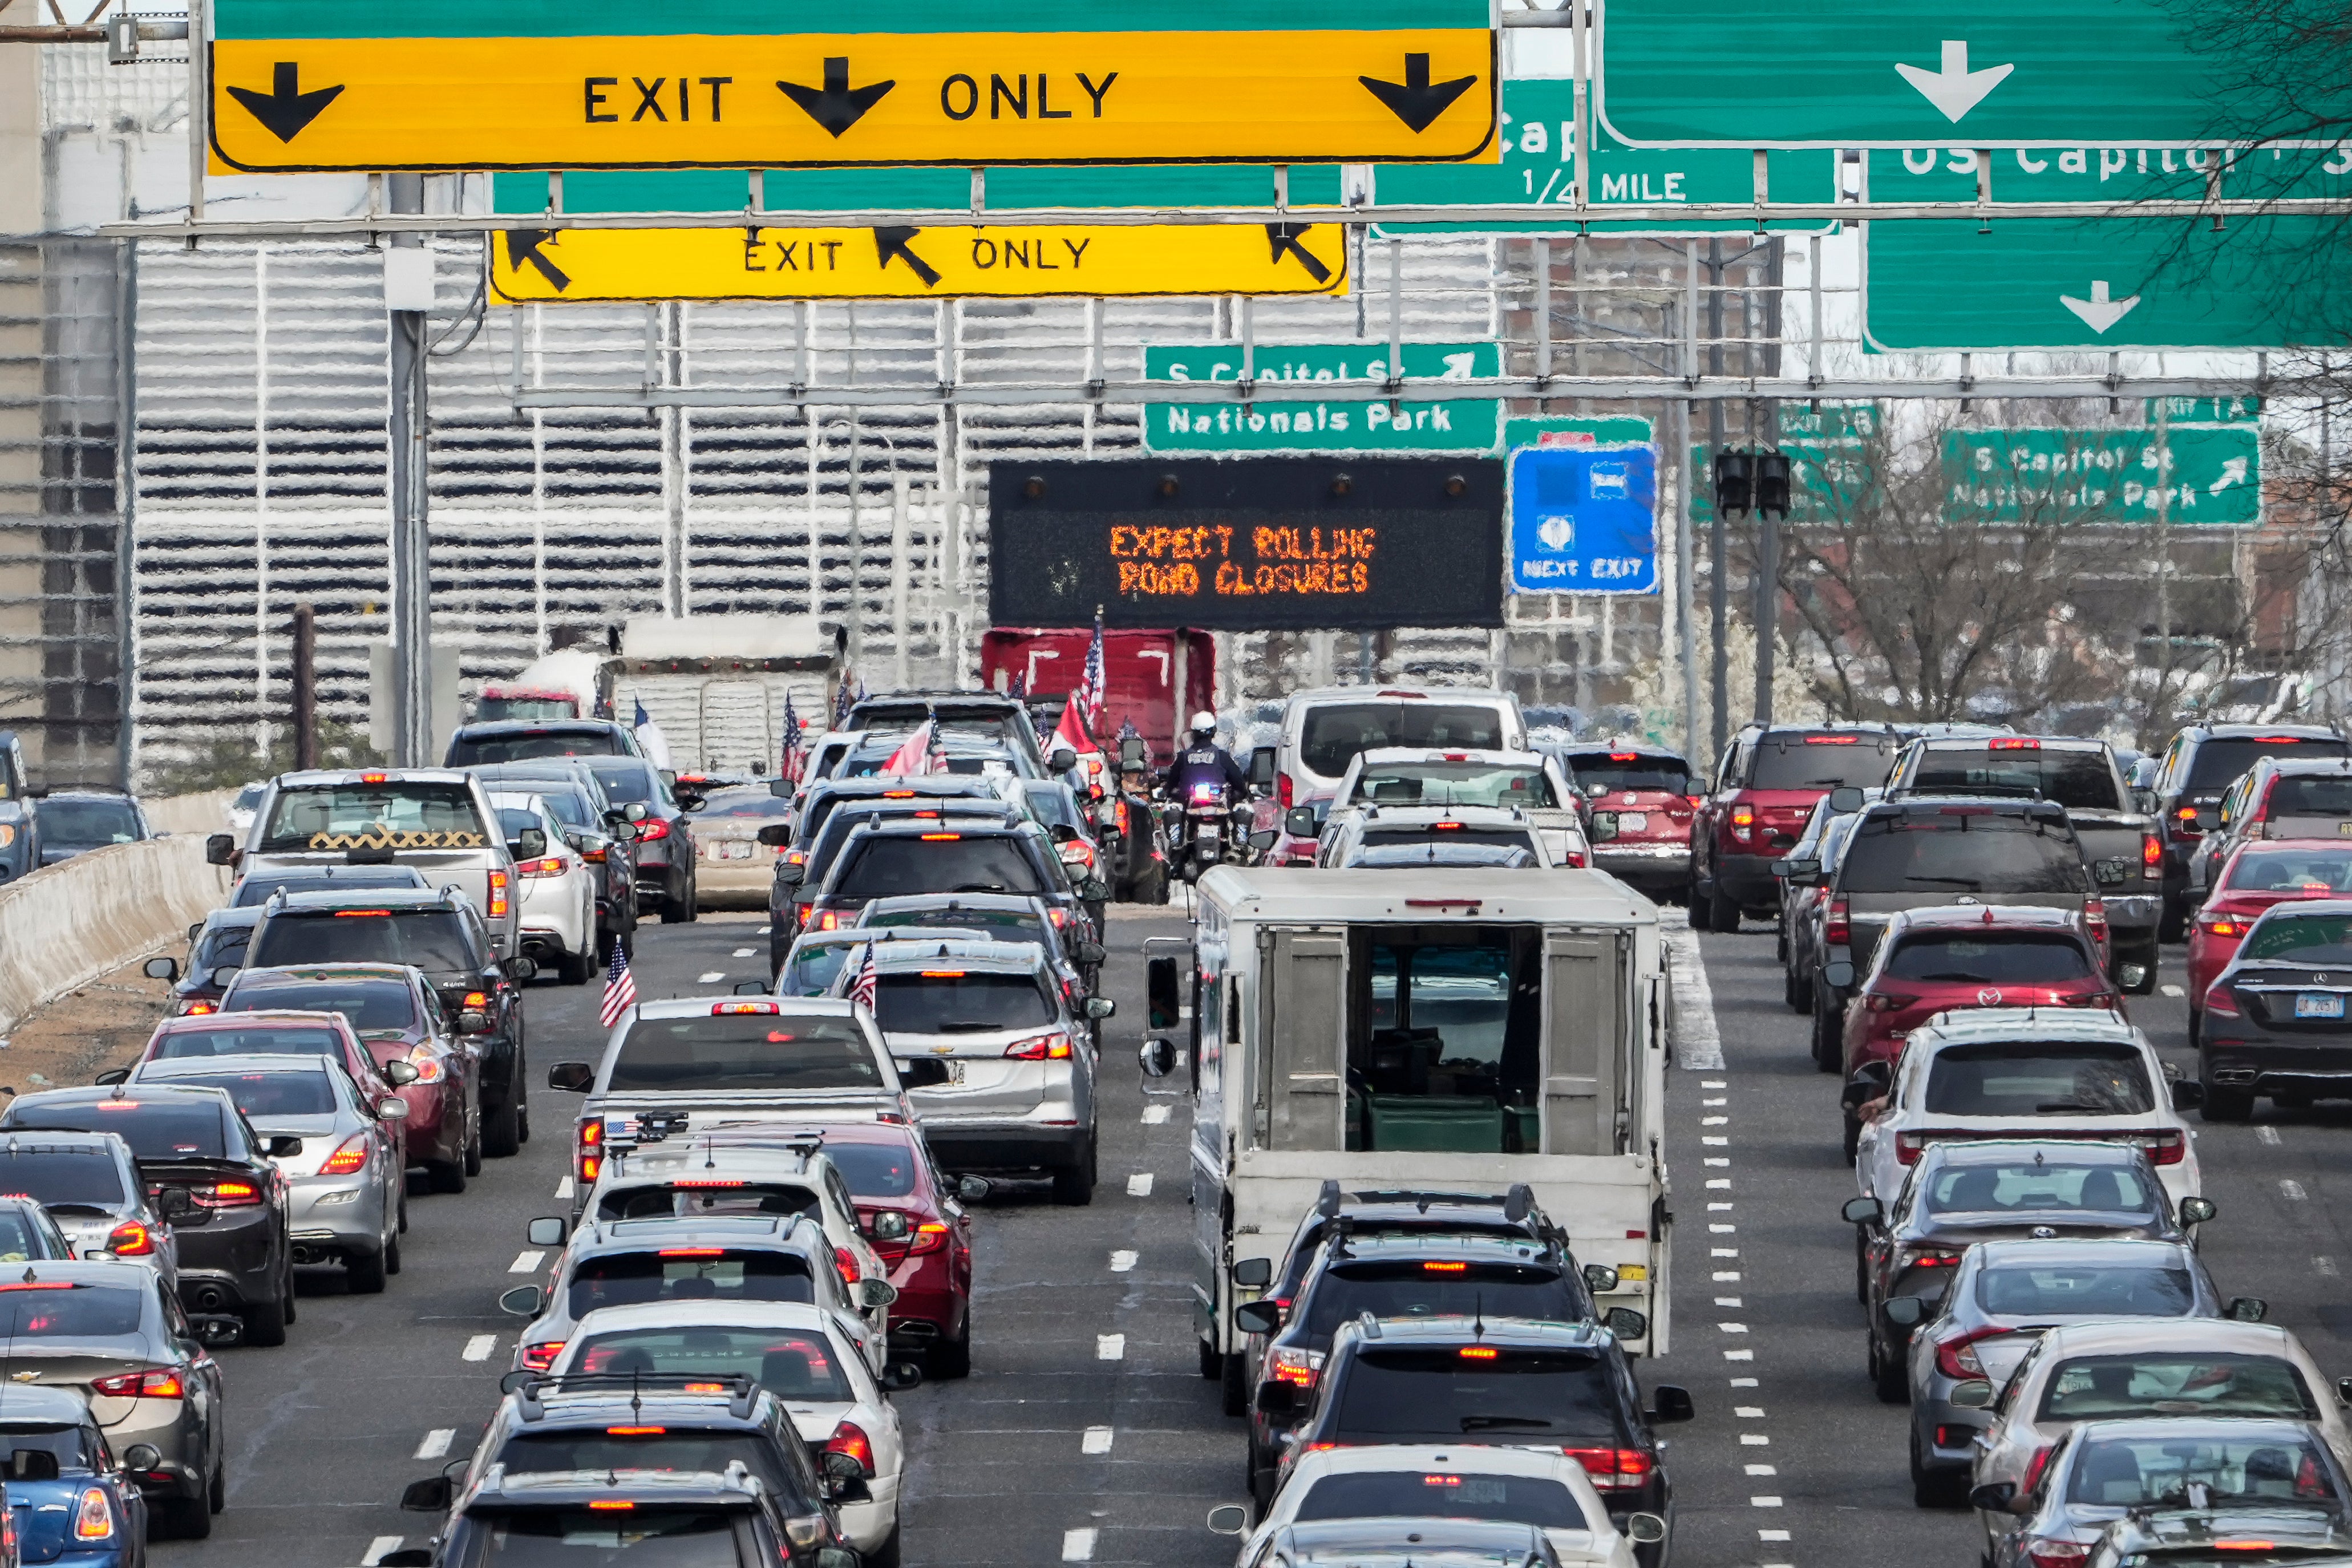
265,1324
1780,942
1852,1138
1861,1265
474,1144
1702,907
216,1494
1074,1184
1723,913
289,1296
402,1229
500,1136
1232,1386
1789,986
1828,1044
2172,924
952,1357
447,1176
1212,1366
1935,1489
885,1555
2196,1023
1886,1376
1803,984
572,969
2227,1104
364,1272
1261,1483
183,1518
392,1257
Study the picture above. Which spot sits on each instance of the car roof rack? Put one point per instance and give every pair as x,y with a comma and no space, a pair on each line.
531,1389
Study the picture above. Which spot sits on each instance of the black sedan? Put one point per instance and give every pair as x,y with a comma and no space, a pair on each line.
2275,1022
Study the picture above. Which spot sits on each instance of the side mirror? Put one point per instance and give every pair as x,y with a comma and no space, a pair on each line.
1063,760
781,788
223,975
622,832
1672,1402
1839,974
1101,1008
877,1294
519,968
1975,1393
791,874
406,1557
399,1073
1157,1057
1863,1211
1258,1317
2197,1210
1645,1529
113,1076
668,779
1625,1323
2187,1094
523,1301
2344,1390
284,1146
431,1495
1869,1083
1252,1273
1163,997
547,1231
1299,822
473,1020
1845,799
528,844
1279,1400
775,835
901,1376
1088,953
1994,1497
392,1108
1802,873
1904,1312
1600,1278
141,1457
972,1188
219,848
216,1328
2248,1309
889,1225
1262,767
161,969
1093,888
519,1377
572,1077
1264,840
1131,753
175,1206
2143,800
1228,1519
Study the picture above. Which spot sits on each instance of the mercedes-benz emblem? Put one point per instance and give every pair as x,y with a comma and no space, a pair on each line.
2319,979
1988,997
1967,898
2043,1232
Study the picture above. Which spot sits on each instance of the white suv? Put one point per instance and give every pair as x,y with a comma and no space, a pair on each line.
759,1170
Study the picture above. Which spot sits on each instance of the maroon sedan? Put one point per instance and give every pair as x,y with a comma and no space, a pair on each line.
912,1216
398,1019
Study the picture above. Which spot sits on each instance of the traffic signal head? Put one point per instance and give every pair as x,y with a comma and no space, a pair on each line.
1735,481
1773,483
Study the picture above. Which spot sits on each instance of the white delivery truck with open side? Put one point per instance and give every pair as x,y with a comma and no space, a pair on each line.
1447,1031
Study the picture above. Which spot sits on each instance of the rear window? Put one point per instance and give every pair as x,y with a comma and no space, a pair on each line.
756,803
78,824
959,1001
1332,734
2139,1472
688,1274
62,1178
220,945
155,1129
2290,796
1538,1500
429,939
21,1240
555,740
2259,868
884,867
809,970
787,1362
697,1199
2038,1187
662,1448
1499,838
284,1039
2085,1291
2015,958
626,781
744,1050
1419,857
73,1448
2038,1080
43,1311
2321,939
653,1537
2078,780
409,815
874,1170
1454,784
1821,761
262,1096
2221,763
364,1004
1438,1288
1612,770
1961,850
257,888
1025,925
2092,1388
1484,1394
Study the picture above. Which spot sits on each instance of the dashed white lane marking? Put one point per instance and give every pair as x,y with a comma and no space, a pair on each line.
1723,1252
379,1546
563,1187
1763,1502
1713,1083
1120,1262
1078,1545
2292,1189
1743,1383
1720,1208
2171,990
2325,1265
1721,1230
1716,1160
1755,1440
712,978
1110,1347
762,931
1761,1469
1715,1143
527,1261
478,1348
1095,1441
2267,1133
1749,1412
1730,1301
1773,1535
1733,1328
1718,1184
1154,1115
1715,1121
1718,1100
1739,1355
436,1443
1723,1276
1698,1043
1140,1184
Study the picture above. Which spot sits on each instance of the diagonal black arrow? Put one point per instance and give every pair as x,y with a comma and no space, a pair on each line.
285,110
1286,237
837,106
523,245
892,241
1418,102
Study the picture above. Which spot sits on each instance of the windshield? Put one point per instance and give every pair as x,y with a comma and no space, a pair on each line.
1454,784
874,1170
429,939
1437,1289
399,816
2078,780
364,1004
790,1364
697,1199
2221,763
45,1311
520,746
664,1448
1331,734
263,1095
2259,868
269,1040
1961,850
1053,805
825,846
744,1050
688,1274
2320,939
884,866
1821,761
2091,1387
258,888
2038,1080
82,824
2015,958
1514,1499
2206,1470
2087,1289
1614,770
576,1538
155,1129
64,1178
2038,1187
959,1001
1485,1393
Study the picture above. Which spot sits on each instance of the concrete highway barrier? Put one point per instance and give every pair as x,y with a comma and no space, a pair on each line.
66,924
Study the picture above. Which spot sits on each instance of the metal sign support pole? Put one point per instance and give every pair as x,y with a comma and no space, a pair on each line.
412,580
1718,576
1685,594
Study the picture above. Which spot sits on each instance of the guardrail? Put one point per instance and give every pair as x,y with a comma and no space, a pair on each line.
67,924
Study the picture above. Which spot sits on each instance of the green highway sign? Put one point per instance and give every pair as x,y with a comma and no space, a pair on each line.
1356,419
1540,163
1863,73
2214,475
2181,411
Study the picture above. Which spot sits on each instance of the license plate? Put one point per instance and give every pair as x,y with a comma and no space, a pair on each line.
731,850
2344,829
2318,1005
1633,821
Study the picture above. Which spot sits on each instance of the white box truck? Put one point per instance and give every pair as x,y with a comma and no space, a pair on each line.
1447,1031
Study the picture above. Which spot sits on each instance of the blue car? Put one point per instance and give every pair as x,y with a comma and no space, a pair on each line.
68,1502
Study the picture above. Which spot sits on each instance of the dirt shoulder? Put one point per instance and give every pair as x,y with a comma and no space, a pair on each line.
84,1032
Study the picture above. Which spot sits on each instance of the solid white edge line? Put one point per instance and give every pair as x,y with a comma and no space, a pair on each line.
1698,1043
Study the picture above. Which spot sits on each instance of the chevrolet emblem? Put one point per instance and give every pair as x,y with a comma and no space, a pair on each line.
24,1377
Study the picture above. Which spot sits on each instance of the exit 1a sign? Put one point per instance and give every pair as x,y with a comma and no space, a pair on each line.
1354,417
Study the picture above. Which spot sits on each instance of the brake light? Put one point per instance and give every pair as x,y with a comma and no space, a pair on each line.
2045,1552
540,1356
2185,824
93,1520
131,1240
1908,1147
552,865
1436,1268
1695,799
361,914
1743,819
692,1253
1574,860
942,838
2219,1000
1040,1048
1479,1352
193,1009
2012,743
2033,1469
499,881
1887,1002
1077,852
929,1237
2223,925
160,1383
1835,929
2095,915
609,1505
226,1195
1932,1260
1828,740
637,1431
847,1262
1956,1356
1283,789
588,1148
2151,849
477,999
850,1438
730,1010
1613,1470
2167,1148
1291,1364
351,1156
374,778
831,921
593,857
942,974
801,917
1059,915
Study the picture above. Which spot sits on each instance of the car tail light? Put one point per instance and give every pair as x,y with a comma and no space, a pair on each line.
550,865
429,1066
1956,1356
191,1009
93,1520
1574,860
1480,1352
351,1156
1930,1259
588,1147
1040,1048
609,1505
131,1240
226,1195
499,881
800,916
1282,790
2012,743
1743,821
2095,915
850,1438
2165,1148
1835,928
637,1431
730,1010
1077,852
2045,1552
829,921
1613,1470
477,999
1908,1146
2185,822
2218,1000
2085,998
593,857
1887,1002
160,1383
930,1237
2223,925
2151,849
540,1356
1059,915
652,831
2033,1469
847,1262
1291,1364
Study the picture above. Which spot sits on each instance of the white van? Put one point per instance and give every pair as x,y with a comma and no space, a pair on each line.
1323,731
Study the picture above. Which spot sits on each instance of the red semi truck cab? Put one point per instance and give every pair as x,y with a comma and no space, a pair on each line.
1141,674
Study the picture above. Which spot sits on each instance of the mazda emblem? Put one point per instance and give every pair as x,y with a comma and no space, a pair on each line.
1988,997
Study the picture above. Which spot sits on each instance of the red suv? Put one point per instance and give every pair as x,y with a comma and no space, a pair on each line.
1638,801
2257,875
1765,791
1971,955
914,1216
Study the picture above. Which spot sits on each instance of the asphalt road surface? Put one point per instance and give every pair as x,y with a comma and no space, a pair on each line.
1085,1432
